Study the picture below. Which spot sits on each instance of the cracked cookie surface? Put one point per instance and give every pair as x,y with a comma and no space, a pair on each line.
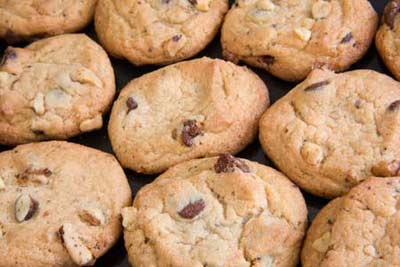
333,131
388,37
30,19
288,38
54,88
60,204
157,31
192,109
358,229
216,212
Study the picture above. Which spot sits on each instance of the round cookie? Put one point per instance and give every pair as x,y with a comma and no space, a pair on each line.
30,19
216,212
54,88
188,110
60,204
388,37
289,38
157,31
333,131
358,229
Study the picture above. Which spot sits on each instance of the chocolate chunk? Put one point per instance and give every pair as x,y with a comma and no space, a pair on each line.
189,132
357,104
390,12
193,2
176,38
316,86
227,163
9,54
394,106
131,104
192,209
347,38
269,60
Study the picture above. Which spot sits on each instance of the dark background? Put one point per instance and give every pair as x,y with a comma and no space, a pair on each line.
125,72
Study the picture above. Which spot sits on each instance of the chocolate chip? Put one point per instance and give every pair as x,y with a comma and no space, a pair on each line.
394,106
165,1
193,2
316,86
192,209
131,104
189,132
357,104
227,163
176,38
347,38
9,54
390,12
269,60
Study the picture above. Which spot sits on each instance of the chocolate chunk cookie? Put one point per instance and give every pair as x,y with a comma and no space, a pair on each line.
388,37
289,38
157,31
60,204
358,229
216,212
335,130
188,110
25,20
54,88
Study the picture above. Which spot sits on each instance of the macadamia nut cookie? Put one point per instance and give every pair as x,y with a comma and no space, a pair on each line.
188,110
220,211
157,31
31,19
60,204
288,38
358,229
333,131
54,88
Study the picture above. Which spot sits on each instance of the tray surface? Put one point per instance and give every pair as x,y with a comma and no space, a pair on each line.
124,72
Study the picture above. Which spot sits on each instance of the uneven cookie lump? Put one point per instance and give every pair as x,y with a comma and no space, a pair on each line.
157,31
188,110
388,37
54,88
333,131
358,229
289,38
71,220
26,20
193,215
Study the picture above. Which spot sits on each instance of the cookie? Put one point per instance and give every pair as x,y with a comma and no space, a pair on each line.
219,211
333,131
157,31
358,229
188,110
289,38
54,88
25,20
388,37
60,204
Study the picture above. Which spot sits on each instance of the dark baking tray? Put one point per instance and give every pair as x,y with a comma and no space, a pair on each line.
125,72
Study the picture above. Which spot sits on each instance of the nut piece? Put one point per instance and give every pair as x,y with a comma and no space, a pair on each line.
321,9
312,153
322,243
25,207
91,124
384,169
35,175
228,163
265,5
92,216
38,104
308,23
192,209
2,184
78,252
303,33
203,5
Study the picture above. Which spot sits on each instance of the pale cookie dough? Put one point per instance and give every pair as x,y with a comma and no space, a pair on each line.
333,131
192,109
54,88
157,31
358,229
216,212
289,38
24,20
388,37
60,205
